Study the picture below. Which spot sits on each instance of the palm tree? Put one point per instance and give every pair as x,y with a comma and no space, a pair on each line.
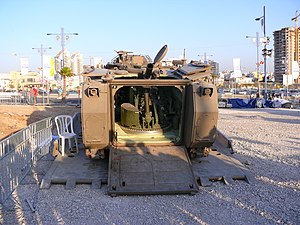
214,78
65,72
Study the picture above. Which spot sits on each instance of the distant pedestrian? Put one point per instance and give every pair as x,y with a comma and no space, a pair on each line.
59,92
31,95
35,92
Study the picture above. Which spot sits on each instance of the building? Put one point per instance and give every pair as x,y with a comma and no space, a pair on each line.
214,67
16,81
73,61
32,78
59,58
96,62
5,81
77,63
285,53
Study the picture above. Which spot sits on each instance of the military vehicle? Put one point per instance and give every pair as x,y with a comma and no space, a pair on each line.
127,60
134,63
151,127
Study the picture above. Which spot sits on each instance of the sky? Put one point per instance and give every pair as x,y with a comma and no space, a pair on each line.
217,28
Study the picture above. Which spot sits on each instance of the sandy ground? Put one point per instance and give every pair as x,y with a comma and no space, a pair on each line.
266,141
16,117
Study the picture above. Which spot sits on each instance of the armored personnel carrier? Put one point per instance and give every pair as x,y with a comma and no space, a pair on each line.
151,126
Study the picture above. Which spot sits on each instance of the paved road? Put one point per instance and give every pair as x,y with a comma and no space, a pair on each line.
55,100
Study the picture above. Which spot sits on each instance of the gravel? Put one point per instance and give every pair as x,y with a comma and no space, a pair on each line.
267,141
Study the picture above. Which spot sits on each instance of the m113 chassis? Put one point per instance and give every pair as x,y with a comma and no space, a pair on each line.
156,130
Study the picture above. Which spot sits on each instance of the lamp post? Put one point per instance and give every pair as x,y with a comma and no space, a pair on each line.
285,62
263,22
205,57
41,50
257,59
63,38
15,81
14,54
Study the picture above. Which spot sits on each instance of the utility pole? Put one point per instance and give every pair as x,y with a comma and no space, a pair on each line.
257,59
296,54
41,50
266,52
63,38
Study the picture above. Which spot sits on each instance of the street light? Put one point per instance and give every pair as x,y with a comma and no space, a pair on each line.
257,59
41,50
63,37
205,57
263,21
285,62
14,54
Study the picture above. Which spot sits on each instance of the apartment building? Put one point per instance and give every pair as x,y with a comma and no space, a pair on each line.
214,67
77,63
285,53
73,61
58,59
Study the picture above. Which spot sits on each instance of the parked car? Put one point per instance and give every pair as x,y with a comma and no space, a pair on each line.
281,103
41,91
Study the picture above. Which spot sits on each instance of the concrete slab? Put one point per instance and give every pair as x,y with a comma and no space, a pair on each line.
76,169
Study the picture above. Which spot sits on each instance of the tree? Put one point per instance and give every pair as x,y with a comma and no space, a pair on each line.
65,72
214,78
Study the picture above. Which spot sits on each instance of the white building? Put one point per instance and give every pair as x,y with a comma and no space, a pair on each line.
4,81
286,55
77,63
58,60
97,62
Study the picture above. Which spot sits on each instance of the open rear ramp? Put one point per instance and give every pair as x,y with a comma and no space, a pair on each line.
76,170
150,170
219,165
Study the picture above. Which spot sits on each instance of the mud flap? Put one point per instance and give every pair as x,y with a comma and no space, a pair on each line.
150,170
219,165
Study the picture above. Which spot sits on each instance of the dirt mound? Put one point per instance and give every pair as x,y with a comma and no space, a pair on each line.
16,117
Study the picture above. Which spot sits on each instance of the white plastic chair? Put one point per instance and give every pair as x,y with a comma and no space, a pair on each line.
64,126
